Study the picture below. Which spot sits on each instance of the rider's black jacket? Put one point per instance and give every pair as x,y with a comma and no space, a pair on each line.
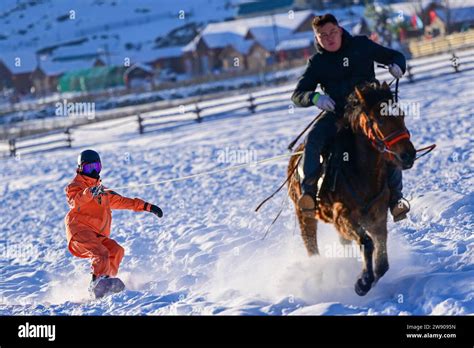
339,72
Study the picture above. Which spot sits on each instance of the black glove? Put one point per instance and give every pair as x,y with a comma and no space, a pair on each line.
154,209
97,190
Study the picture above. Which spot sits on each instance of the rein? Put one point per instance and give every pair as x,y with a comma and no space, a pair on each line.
429,148
383,143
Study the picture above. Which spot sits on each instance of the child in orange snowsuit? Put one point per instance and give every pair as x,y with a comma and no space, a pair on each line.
89,220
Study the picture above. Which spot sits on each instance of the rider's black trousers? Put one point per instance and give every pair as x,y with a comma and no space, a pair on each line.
319,136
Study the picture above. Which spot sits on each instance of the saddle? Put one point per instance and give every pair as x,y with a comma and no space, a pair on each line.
332,160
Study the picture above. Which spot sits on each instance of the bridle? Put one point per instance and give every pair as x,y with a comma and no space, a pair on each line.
382,143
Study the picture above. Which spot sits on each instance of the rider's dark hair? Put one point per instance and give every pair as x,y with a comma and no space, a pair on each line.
319,21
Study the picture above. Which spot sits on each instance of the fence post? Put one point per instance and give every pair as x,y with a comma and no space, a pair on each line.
409,74
68,137
455,62
197,110
140,123
11,143
251,105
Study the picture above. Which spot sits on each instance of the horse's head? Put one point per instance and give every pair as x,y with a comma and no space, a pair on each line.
372,111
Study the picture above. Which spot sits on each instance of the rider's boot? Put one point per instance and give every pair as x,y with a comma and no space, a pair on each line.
399,206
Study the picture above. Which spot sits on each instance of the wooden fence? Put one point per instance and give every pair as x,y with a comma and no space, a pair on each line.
245,104
441,44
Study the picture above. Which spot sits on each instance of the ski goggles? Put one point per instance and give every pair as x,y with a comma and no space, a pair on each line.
88,168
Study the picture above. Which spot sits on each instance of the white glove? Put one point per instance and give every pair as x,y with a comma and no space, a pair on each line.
395,71
324,102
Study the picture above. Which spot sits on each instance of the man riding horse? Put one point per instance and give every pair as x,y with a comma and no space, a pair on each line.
340,63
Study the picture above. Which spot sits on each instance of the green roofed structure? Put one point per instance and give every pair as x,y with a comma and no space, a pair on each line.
262,6
91,79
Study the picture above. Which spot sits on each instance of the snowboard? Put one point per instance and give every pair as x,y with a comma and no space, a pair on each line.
107,286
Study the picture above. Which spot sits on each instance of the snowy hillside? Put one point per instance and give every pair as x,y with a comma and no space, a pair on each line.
207,256
135,25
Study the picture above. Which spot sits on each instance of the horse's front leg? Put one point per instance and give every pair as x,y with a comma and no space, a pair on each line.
380,253
366,279
308,226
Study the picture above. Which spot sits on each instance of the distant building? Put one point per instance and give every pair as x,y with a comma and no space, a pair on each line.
92,79
233,59
5,77
295,49
167,58
257,57
139,75
29,73
21,65
438,18
250,55
455,18
41,83
53,69
248,43
204,54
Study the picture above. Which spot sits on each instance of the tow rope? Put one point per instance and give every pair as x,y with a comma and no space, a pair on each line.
211,172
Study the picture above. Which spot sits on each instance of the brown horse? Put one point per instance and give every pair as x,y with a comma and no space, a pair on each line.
358,201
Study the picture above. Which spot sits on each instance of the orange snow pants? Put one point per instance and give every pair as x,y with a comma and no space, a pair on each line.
106,254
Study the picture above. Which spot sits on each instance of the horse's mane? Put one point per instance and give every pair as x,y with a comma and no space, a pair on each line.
373,93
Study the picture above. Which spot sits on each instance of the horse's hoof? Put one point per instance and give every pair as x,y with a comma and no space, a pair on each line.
380,272
362,286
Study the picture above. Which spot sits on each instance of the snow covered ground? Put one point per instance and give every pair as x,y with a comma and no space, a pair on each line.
207,256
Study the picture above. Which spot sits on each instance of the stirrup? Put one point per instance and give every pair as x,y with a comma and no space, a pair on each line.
403,214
